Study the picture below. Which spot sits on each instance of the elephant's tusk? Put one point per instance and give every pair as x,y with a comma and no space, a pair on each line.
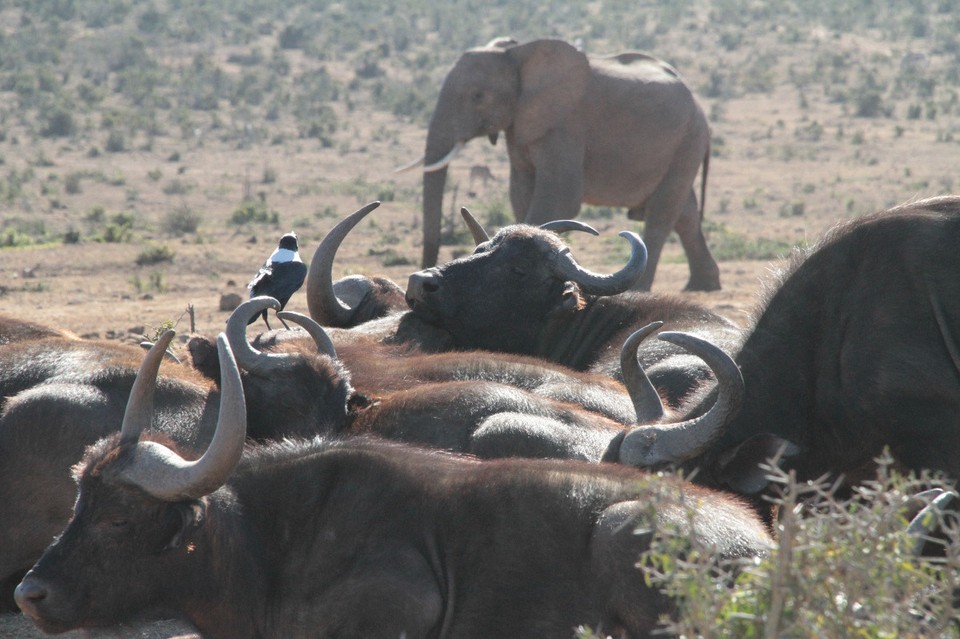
411,165
447,159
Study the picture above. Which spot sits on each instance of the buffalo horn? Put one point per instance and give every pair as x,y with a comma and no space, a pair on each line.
648,446
147,345
562,226
476,229
160,471
325,307
249,358
320,337
646,400
445,160
566,267
139,410
928,518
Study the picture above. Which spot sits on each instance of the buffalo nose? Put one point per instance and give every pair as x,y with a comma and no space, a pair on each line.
421,284
29,594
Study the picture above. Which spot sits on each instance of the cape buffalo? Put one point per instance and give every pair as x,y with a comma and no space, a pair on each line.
58,395
14,329
359,538
61,395
481,403
352,300
522,292
857,349
522,295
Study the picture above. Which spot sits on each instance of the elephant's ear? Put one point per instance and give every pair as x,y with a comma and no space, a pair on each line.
553,80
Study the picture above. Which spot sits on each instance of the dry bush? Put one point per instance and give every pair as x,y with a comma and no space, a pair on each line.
842,568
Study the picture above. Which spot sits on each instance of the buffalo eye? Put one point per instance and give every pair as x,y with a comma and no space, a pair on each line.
115,525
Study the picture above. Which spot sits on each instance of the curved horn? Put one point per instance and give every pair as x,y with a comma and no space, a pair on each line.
249,358
927,519
566,267
162,473
562,226
139,411
646,399
320,337
445,160
411,165
322,301
476,229
673,443
147,345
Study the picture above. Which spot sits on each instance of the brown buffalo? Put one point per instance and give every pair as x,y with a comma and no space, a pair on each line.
360,538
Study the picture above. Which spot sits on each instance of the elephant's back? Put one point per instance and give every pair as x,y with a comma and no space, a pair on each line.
636,64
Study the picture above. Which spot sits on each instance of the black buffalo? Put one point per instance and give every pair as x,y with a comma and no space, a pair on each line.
359,538
352,300
59,394
522,292
488,404
857,349
519,293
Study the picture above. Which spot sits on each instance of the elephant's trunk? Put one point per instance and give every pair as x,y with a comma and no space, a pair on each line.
439,145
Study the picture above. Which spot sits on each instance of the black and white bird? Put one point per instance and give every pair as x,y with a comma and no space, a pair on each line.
280,276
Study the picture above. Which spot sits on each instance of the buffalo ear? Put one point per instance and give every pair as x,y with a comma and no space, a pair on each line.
191,518
739,467
203,355
570,300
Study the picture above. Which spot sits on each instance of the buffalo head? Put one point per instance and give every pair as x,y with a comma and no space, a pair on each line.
139,500
498,297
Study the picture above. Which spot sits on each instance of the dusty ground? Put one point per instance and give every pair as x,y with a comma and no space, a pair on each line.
764,185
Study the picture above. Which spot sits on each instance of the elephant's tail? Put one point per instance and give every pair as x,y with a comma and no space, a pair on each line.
703,181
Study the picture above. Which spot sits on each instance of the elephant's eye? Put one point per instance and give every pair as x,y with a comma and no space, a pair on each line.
477,96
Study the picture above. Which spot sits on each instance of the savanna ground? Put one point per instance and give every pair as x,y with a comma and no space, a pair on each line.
151,154
811,125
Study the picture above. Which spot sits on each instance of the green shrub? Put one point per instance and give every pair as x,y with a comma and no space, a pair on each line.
116,142
254,212
181,221
840,568
59,124
155,255
176,187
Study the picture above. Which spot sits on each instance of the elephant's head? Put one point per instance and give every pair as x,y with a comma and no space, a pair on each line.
523,89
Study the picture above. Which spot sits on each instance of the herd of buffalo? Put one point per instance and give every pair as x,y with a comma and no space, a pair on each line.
469,456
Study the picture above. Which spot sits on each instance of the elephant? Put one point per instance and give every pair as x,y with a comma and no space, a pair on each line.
621,130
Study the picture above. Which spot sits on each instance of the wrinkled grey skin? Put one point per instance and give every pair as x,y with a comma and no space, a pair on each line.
620,130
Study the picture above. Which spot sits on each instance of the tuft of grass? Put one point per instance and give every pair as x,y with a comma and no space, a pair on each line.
182,220
155,254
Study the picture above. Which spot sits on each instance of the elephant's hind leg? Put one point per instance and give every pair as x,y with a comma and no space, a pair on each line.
704,272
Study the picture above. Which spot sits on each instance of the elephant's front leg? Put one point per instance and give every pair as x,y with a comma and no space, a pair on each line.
521,189
549,186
